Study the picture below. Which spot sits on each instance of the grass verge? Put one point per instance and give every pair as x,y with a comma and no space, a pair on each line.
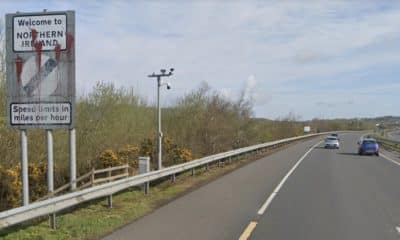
94,219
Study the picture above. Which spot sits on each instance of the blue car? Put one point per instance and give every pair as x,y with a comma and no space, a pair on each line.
368,146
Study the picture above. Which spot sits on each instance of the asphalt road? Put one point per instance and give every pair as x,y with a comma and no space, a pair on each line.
328,194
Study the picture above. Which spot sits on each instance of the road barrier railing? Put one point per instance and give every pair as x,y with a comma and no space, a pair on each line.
56,204
389,144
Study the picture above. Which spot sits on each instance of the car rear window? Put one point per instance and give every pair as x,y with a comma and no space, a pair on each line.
331,138
369,141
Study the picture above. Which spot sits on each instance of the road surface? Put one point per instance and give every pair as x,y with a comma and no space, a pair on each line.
303,192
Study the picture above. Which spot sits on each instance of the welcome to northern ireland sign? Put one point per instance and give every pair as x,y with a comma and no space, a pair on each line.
40,58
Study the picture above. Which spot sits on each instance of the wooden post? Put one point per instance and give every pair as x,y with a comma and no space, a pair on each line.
127,170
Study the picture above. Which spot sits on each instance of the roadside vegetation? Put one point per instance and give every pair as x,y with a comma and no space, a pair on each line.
115,126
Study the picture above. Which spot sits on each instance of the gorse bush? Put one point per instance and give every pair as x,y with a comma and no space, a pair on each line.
109,159
10,187
11,184
129,154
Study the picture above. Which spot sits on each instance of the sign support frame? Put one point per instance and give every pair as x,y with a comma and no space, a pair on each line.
72,158
24,167
50,172
40,83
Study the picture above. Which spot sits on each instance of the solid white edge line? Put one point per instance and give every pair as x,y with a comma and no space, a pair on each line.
389,159
277,188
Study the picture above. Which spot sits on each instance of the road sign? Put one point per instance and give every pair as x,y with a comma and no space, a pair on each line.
40,58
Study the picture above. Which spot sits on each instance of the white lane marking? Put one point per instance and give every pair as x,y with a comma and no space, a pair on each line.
277,188
389,159
398,230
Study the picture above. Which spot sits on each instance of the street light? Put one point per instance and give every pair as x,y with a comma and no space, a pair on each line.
159,133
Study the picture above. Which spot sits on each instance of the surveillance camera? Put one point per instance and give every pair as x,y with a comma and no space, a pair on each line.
163,71
168,86
171,70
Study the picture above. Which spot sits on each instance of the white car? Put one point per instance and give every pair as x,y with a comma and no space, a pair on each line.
332,142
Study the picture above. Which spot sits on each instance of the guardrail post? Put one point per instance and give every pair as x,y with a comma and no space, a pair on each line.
207,167
173,178
110,201
193,171
92,178
144,167
109,198
53,221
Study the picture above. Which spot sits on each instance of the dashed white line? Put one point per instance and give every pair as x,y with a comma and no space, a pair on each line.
276,190
250,228
398,230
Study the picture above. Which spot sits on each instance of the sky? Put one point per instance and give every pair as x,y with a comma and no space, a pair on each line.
315,59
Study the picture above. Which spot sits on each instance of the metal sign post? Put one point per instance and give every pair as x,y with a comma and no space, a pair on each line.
72,158
50,172
24,167
50,161
40,63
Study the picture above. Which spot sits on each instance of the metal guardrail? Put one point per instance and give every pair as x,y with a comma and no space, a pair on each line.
390,144
56,204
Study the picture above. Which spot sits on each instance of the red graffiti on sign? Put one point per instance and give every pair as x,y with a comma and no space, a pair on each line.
18,66
34,34
38,48
57,51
